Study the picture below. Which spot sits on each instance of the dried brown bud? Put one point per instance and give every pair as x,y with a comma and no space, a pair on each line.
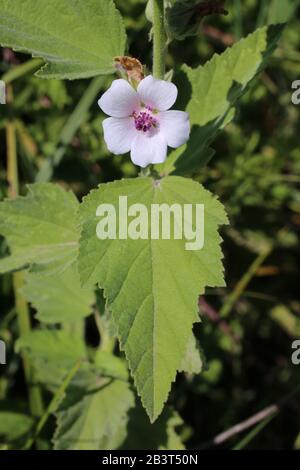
131,67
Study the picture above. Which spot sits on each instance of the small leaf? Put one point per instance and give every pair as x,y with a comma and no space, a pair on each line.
93,415
59,298
40,228
192,362
152,286
76,39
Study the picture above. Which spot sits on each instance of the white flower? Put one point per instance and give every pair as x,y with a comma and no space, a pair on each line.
141,122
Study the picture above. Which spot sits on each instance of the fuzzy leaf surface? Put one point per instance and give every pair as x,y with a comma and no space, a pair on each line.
76,39
152,286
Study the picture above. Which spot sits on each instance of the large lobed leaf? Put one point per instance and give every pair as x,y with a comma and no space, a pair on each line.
76,39
152,286
210,92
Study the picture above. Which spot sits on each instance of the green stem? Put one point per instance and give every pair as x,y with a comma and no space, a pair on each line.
107,342
21,70
251,435
243,283
238,23
145,172
34,393
159,39
12,164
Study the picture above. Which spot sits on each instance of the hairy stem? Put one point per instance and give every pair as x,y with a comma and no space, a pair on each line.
159,39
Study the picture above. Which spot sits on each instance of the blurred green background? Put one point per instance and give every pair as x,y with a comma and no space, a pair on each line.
247,328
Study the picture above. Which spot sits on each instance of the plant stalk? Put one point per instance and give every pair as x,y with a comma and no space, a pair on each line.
34,392
159,39
243,283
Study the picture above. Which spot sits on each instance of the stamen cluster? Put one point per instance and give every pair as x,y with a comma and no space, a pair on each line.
144,120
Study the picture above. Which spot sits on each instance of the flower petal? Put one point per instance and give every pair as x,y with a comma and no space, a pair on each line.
120,100
119,134
159,94
147,148
175,126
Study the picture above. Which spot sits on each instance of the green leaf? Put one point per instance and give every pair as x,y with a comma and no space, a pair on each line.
93,415
76,39
210,92
13,263
40,228
53,353
192,362
14,426
152,286
58,298
162,435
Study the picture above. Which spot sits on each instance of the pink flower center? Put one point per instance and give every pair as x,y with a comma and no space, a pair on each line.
144,120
